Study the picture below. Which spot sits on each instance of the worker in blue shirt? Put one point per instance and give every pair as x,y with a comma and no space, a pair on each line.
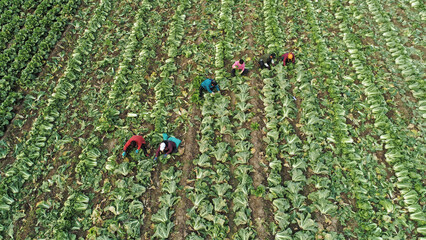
208,85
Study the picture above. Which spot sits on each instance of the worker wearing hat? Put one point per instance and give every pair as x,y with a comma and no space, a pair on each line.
287,58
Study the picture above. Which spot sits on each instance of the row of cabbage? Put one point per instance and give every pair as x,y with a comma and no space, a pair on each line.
396,154
409,71
247,226
26,54
211,193
165,94
224,46
240,160
364,183
122,194
164,90
29,164
290,205
240,146
56,214
162,218
123,211
133,79
390,76
124,198
315,132
339,136
395,83
12,20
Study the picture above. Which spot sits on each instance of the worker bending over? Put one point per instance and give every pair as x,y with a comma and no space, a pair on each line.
134,141
207,86
266,61
287,58
240,65
167,146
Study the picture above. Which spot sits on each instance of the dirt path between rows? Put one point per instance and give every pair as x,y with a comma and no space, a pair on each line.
191,152
14,134
261,208
152,199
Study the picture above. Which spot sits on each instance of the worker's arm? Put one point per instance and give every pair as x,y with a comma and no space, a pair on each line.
158,152
284,58
217,88
235,64
140,143
270,61
170,147
206,85
243,68
144,149
208,89
127,145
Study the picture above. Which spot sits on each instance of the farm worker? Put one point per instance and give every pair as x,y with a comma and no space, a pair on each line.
167,146
208,85
266,61
134,141
239,65
287,57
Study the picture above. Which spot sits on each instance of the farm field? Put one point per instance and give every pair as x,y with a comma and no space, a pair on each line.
331,147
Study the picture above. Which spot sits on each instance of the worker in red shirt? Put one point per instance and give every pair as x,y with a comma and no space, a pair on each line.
135,141
287,57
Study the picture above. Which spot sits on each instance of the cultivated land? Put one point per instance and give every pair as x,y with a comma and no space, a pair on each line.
332,147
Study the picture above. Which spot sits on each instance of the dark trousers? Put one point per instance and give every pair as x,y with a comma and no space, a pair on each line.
262,65
202,91
134,145
175,150
144,149
244,72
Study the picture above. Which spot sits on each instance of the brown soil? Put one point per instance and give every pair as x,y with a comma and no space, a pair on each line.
382,159
71,181
26,225
347,200
330,224
191,152
11,133
261,217
367,41
403,109
295,122
110,144
233,228
150,200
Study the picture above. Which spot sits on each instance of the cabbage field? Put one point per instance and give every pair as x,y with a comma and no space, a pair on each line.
331,147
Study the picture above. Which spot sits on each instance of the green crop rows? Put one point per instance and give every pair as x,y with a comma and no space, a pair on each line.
331,147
